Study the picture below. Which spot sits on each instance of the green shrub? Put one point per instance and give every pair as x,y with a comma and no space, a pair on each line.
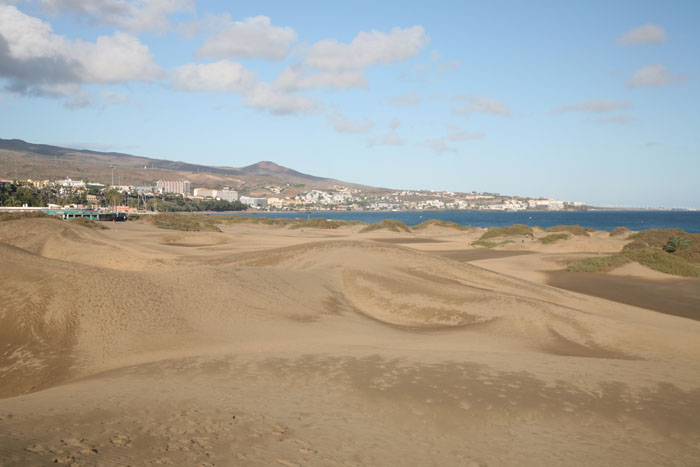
572,229
185,222
388,224
509,231
441,223
617,231
320,223
675,244
551,238
657,239
652,258
488,244
12,216
598,263
663,262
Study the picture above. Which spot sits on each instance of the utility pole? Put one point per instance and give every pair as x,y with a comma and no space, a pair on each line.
112,167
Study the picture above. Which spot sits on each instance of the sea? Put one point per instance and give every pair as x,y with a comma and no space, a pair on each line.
601,220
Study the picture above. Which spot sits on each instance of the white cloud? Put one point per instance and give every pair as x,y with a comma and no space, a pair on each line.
457,134
298,78
265,97
251,38
654,76
225,76
368,49
394,124
79,100
138,15
476,103
390,139
34,60
342,125
448,67
410,99
594,105
114,98
647,34
117,58
615,119
221,76
438,145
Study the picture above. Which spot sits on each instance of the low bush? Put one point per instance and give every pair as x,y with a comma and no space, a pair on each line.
185,222
617,231
388,224
551,238
441,223
487,244
13,216
598,263
572,229
509,231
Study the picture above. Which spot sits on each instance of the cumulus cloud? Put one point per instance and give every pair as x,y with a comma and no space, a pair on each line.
410,99
368,49
220,76
36,61
448,67
390,139
135,15
342,125
265,97
438,145
476,103
615,120
594,105
394,124
254,37
114,97
299,78
456,134
225,76
654,76
647,34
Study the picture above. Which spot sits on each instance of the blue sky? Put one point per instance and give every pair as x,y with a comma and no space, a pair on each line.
583,101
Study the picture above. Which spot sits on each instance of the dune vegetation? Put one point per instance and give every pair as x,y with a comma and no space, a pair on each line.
618,231
551,238
442,223
647,248
508,231
387,224
572,229
487,244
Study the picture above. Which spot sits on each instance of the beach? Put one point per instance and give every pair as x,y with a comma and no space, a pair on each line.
259,345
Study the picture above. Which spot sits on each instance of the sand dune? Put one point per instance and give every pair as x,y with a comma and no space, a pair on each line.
264,346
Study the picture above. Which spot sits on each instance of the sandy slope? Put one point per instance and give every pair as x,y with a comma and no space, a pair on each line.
270,346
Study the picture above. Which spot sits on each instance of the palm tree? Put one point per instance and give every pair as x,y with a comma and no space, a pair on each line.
676,243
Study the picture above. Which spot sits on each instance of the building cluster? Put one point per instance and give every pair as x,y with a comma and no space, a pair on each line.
296,198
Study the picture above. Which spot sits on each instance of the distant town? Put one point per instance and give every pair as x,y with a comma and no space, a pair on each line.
179,195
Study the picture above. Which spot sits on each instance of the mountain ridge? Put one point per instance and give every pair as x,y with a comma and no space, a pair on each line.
25,160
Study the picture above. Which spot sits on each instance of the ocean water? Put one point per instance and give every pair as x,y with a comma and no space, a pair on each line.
601,220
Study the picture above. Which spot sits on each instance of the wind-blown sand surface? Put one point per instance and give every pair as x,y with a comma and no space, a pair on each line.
265,346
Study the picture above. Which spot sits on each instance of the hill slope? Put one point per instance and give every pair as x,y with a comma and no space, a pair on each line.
22,160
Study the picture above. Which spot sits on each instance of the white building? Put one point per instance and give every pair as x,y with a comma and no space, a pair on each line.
181,187
227,195
205,192
71,183
257,203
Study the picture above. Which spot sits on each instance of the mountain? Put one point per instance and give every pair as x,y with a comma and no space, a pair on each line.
22,160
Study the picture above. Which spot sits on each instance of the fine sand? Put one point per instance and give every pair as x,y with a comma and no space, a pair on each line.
270,346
